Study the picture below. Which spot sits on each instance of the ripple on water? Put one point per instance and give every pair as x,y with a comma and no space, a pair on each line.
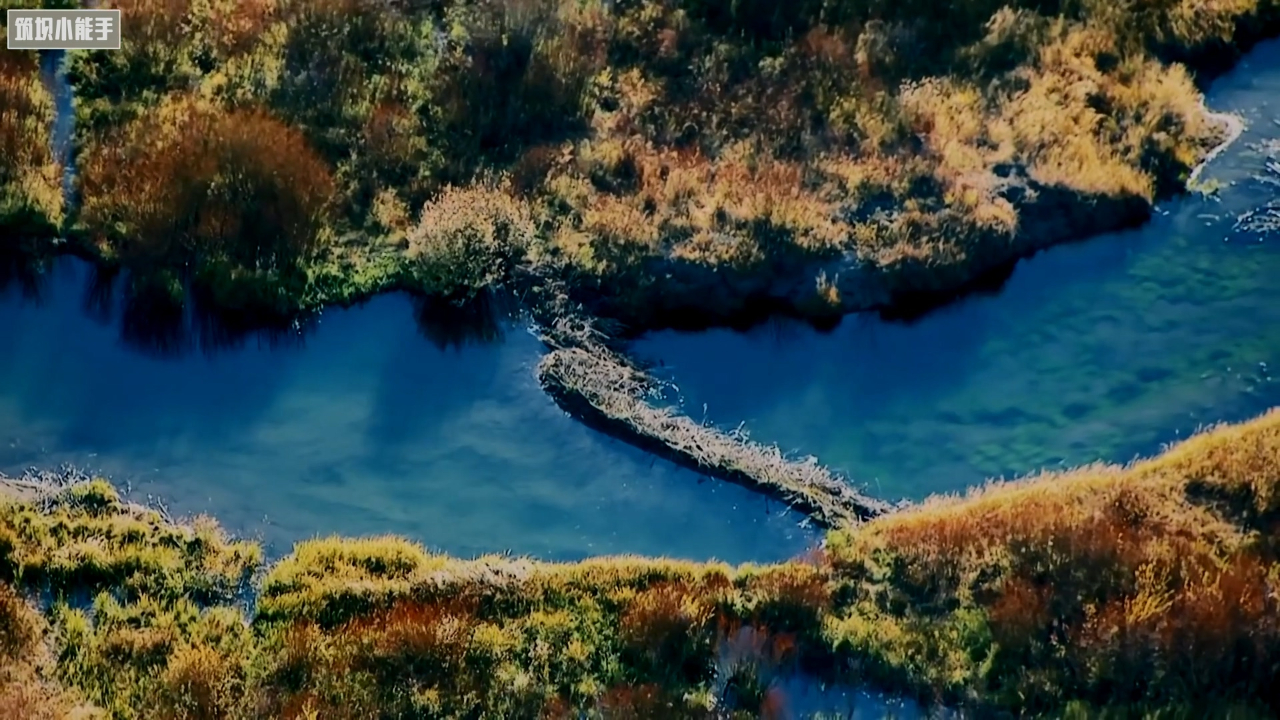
1104,349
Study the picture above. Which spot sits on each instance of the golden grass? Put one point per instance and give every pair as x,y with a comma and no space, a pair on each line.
660,132
1120,591
1149,583
30,179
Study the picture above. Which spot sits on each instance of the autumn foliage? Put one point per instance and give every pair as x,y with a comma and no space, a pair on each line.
30,191
1148,586
1133,590
751,138
188,183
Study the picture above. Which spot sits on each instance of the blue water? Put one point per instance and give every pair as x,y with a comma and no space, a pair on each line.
1102,350
363,426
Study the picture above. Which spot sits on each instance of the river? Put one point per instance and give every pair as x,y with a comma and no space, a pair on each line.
1100,350
1103,350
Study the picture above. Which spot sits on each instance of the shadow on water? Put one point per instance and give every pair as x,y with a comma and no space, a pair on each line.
910,309
456,324
442,435
152,321
23,272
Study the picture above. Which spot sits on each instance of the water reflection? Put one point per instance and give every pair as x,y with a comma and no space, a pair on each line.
454,324
914,308
21,271
368,429
152,321
1105,349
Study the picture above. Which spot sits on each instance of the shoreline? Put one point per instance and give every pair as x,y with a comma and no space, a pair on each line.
580,372
1235,127
961,603
700,297
582,368
590,392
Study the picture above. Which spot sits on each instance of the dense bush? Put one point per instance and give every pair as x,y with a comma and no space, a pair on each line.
708,132
469,240
30,179
188,185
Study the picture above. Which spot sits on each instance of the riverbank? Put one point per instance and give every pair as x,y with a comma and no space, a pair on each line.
871,178
1102,589
622,154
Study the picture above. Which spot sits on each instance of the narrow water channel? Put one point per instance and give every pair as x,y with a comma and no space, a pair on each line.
1099,350
1102,350
363,426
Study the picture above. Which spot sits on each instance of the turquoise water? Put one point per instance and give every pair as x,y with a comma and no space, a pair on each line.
361,425
1102,350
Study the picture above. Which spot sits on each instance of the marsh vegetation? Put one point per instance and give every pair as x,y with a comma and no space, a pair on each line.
1142,588
283,154
273,156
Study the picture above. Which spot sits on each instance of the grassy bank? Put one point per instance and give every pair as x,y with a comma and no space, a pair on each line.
1148,588
662,155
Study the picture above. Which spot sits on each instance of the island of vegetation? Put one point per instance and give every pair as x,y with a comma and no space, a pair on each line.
669,161
620,166
1103,591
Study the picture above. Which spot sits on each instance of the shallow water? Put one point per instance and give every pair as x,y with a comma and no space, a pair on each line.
1102,350
362,427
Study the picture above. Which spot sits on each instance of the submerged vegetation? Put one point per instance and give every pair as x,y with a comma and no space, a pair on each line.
1154,587
659,155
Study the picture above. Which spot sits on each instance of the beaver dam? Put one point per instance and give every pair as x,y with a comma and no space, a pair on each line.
591,377
592,380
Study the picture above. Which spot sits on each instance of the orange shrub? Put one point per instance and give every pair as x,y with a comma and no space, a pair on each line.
18,629
425,641
24,693
22,145
666,622
189,182
29,177
790,598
